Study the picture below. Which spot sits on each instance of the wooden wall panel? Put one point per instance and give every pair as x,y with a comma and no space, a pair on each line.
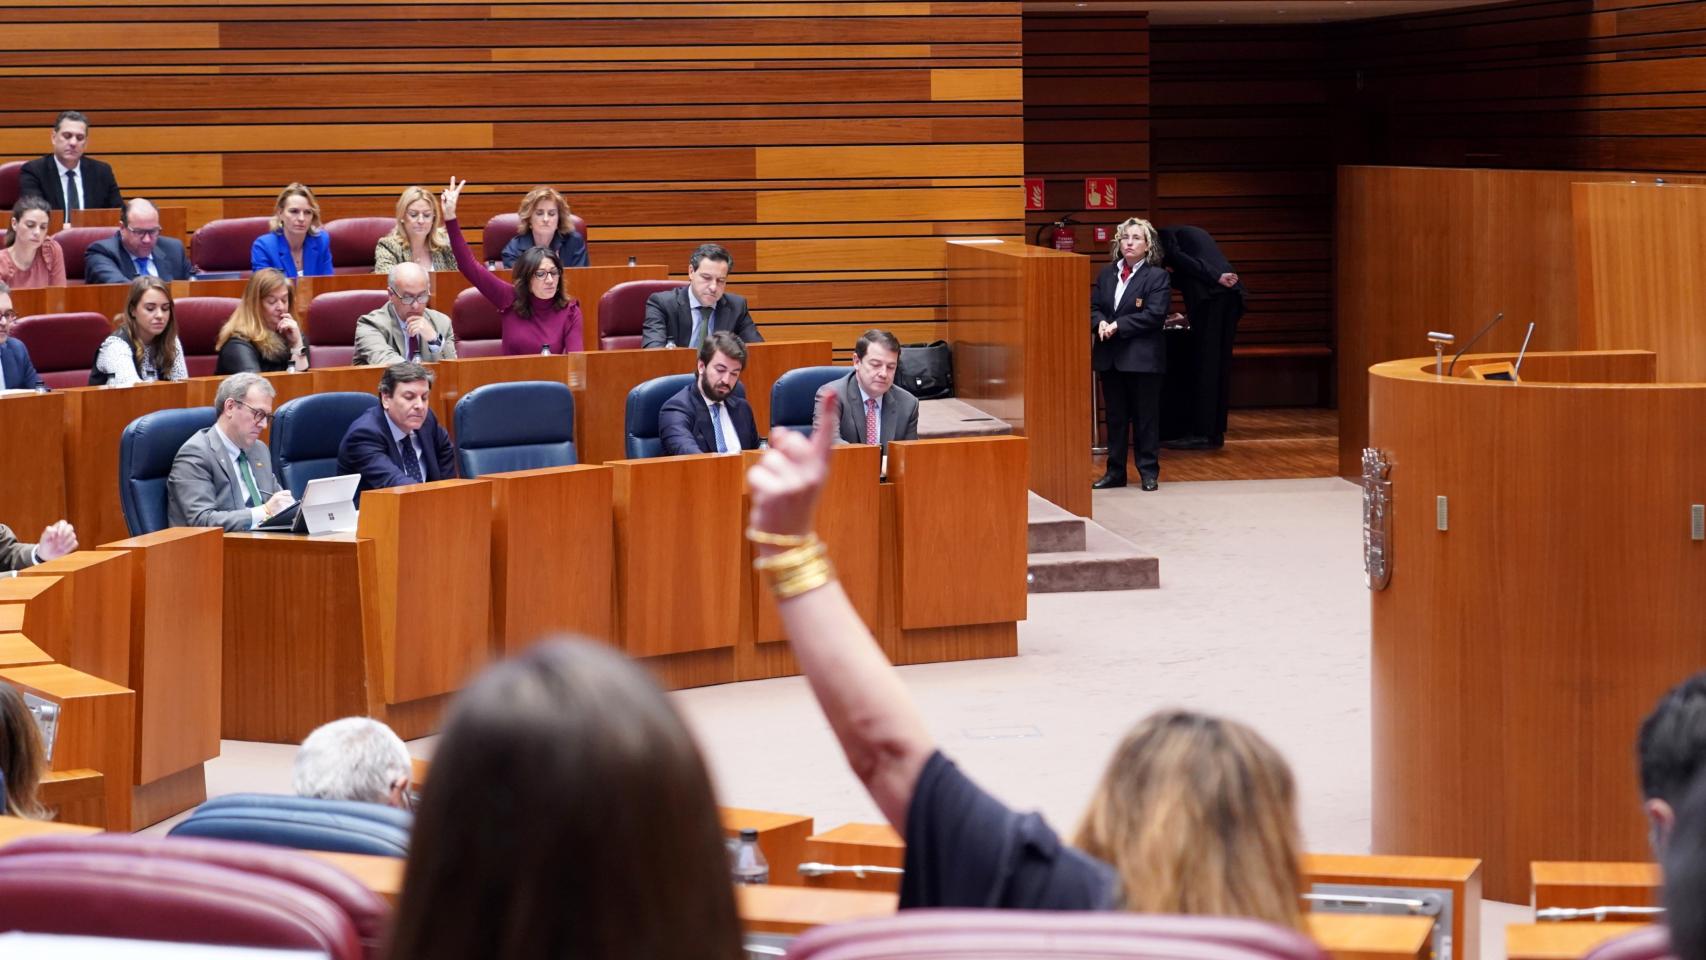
829,145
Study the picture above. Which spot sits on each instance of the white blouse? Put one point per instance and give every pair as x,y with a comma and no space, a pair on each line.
116,360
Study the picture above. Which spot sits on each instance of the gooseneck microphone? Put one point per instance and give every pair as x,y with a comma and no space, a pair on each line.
1474,340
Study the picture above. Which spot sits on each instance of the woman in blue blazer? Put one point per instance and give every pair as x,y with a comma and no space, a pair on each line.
298,245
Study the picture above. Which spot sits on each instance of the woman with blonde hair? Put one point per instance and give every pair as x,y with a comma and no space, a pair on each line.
1128,307
144,345
298,245
262,336
418,236
545,223
1194,815
22,757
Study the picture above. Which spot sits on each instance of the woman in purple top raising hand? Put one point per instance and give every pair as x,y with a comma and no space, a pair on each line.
538,316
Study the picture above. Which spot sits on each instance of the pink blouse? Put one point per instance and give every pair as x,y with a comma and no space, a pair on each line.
47,270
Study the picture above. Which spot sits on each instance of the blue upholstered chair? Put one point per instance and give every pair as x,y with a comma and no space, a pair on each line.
793,398
145,453
305,823
515,426
641,418
306,434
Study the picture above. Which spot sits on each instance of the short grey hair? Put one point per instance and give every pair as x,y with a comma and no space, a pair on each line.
236,387
356,758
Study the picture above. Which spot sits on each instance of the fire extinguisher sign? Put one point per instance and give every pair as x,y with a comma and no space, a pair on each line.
1101,193
1033,193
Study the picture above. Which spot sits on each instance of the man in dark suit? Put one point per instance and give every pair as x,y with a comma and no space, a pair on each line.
222,476
399,442
1214,300
17,372
707,416
685,316
91,183
870,400
136,249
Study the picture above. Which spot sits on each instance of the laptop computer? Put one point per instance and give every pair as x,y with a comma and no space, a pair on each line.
327,506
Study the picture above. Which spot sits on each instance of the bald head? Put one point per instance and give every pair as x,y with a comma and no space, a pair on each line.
139,227
410,284
138,209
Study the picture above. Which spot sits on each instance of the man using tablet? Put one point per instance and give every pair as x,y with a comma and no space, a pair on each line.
222,476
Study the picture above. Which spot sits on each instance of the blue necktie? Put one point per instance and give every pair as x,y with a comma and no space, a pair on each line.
717,427
142,269
411,463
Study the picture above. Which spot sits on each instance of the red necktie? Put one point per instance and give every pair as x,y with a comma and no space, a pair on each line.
872,435
1125,272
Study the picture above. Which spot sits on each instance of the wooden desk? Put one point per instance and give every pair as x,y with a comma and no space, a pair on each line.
1584,885
773,909
1459,876
458,378
1348,936
766,362
1561,941
307,288
95,418
75,797
601,382
17,828
679,564
382,875
347,379
176,616
96,728
287,386
589,284
781,838
17,650
857,844
94,597
32,487
541,585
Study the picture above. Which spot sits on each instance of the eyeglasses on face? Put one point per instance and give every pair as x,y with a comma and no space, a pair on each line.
148,233
411,298
261,416
547,273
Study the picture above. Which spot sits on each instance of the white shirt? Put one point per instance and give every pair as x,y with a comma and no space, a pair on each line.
1120,285
257,515
414,441
865,400
721,423
63,170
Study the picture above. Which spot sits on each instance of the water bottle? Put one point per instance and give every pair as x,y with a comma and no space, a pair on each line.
747,862
544,350
633,261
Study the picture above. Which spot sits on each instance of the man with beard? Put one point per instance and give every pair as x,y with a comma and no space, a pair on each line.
707,416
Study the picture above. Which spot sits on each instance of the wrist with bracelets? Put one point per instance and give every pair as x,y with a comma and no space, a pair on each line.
802,567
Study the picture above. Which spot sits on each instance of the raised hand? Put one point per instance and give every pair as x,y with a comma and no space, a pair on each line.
786,481
448,198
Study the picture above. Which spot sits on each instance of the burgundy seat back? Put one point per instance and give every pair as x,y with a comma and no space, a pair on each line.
353,239
199,320
1648,943
62,345
367,911
223,246
74,241
1021,934
11,175
331,324
501,229
622,312
478,325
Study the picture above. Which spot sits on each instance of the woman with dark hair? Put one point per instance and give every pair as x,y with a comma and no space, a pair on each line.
538,314
262,336
144,346
569,814
31,258
22,758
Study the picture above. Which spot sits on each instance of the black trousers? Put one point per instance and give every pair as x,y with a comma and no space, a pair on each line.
1134,408
1214,325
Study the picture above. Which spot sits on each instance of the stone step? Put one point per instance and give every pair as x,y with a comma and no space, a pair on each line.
1051,529
1070,554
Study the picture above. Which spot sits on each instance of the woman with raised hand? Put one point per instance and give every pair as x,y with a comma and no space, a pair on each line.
538,315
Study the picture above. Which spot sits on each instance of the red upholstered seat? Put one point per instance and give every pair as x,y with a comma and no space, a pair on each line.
331,324
74,241
367,911
1025,934
222,246
63,345
199,320
501,229
478,325
622,312
353,239
10,175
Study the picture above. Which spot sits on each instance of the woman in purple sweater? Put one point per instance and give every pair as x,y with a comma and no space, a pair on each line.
538,316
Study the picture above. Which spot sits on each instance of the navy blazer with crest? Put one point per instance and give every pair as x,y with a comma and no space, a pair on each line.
1138,346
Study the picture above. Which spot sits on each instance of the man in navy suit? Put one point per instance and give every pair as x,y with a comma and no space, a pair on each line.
65,178
398,442
136,248
16,370
707,416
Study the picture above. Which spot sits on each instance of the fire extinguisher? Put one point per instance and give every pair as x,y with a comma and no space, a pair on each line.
1061,234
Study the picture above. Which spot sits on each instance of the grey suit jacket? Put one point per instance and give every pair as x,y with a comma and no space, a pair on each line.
378,339
203,488
15,555
899,418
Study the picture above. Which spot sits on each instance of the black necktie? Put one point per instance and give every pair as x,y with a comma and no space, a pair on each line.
71,191
411,463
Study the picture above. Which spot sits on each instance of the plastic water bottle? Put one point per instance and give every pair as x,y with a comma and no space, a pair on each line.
747,862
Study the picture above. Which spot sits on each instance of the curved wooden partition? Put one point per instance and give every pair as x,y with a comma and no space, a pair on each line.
1516,651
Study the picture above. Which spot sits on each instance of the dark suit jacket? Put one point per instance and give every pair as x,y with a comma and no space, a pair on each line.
15,555
368,449
684,422
1197,264
898,420
107,261
41,177
20,371
669,318
203,489
1138,346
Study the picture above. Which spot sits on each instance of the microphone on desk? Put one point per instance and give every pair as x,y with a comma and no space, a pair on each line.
1473,340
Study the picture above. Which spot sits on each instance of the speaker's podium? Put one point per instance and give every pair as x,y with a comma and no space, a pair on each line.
1535,553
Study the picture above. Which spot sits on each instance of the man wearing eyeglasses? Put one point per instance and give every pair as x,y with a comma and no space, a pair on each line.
136,250
17,371
404,329
222,476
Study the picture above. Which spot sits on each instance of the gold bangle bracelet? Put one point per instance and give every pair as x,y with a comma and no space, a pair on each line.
808,576
791,557
779,539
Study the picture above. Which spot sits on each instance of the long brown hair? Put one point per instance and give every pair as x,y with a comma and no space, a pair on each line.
1197,815
247,321
21,756
526,266
164,349
568,815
